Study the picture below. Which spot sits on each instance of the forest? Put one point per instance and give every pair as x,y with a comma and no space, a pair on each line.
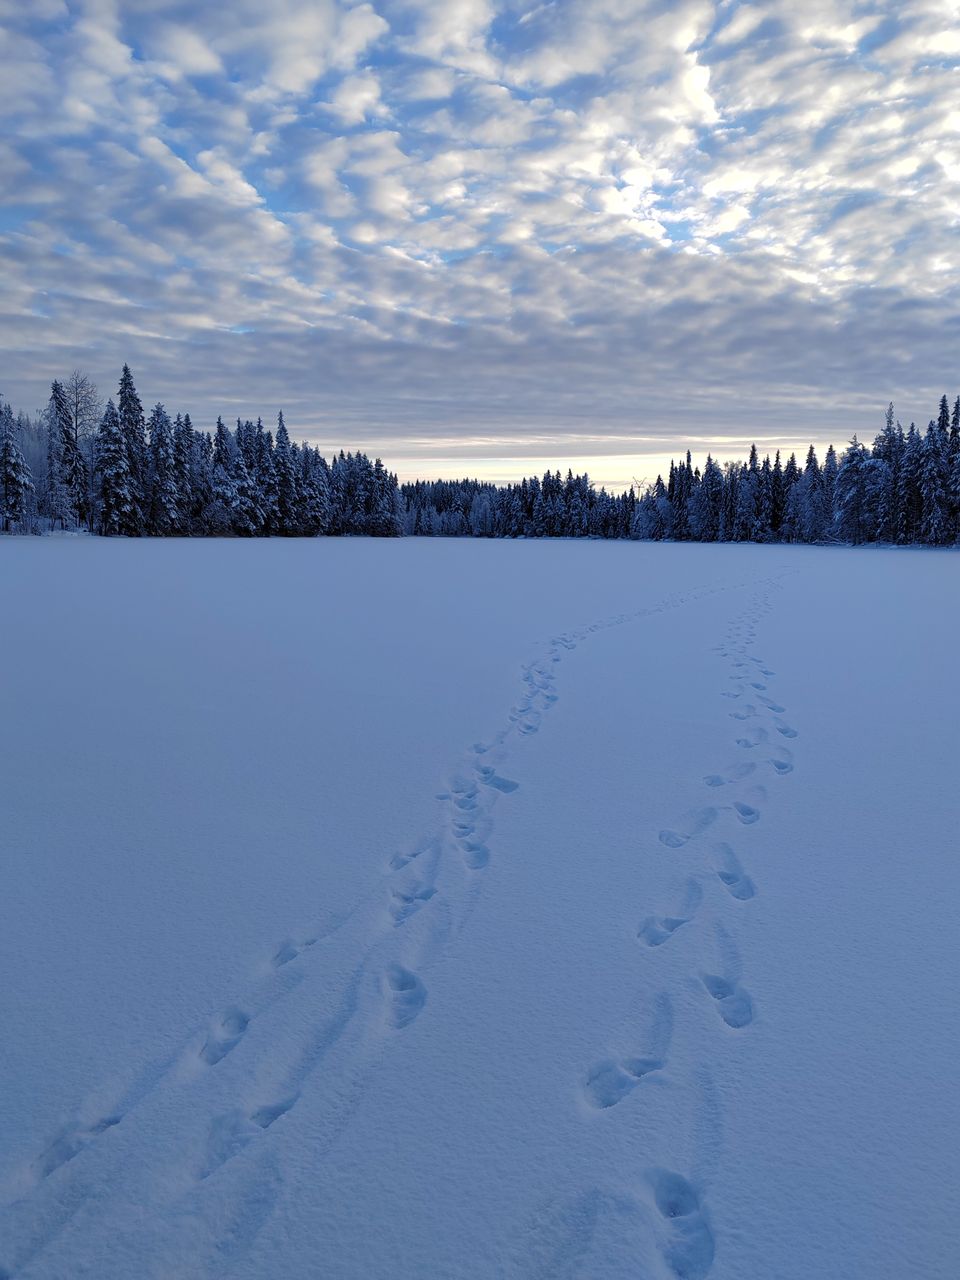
113,470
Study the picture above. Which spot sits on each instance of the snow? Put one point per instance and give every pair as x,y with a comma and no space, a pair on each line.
432,908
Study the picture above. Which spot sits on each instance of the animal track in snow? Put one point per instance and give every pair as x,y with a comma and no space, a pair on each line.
406,995
225,1035
695,822
733,1002
731,873
689,1248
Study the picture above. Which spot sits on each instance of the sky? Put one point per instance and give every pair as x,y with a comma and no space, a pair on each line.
480,237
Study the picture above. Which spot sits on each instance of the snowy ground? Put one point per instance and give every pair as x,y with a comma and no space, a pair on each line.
478,909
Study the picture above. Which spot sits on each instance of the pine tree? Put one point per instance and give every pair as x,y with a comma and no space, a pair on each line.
117,514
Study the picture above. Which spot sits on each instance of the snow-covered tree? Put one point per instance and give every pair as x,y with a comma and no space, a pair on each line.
852,521
165,500
116,511
16,482
133,429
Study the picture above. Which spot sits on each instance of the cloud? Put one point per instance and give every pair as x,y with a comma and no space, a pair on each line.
454,225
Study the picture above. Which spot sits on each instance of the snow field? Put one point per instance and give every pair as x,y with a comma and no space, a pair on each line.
322,964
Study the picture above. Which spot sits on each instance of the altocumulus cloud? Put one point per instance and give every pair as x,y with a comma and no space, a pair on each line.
460,231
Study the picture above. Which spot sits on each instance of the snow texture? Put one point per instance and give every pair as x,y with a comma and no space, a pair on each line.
478,909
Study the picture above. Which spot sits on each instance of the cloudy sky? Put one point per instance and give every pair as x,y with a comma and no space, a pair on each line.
478,236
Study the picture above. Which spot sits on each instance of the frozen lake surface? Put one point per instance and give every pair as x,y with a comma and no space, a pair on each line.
479,909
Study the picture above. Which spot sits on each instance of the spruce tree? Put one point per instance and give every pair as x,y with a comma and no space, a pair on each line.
852,523
287,497
16,481
165,500
133,429
56,495
934,491
117,514
829,480
247,514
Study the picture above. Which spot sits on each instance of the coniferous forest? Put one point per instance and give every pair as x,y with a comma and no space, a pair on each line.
117,471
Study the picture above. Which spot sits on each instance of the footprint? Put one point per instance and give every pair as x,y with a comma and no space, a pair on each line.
224,1035
656,930
771,705
732,875
733,1002
695,822
752,738
529,723
69,1143
746,812
475,853
783,760
268,1115
735,773
406,902
757,684
610,1082
287,951
785,729
744,713
491,779
689,1248
406,995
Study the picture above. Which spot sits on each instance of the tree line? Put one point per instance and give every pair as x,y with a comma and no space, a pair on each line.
905,489
115,471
